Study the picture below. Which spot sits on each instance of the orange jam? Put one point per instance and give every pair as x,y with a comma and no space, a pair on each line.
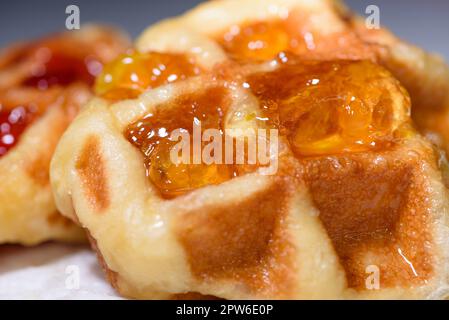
58,60
61,70
152,136
263,40
13,122
330,107
257,41
131,74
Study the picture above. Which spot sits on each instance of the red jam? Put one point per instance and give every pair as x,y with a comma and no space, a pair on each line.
328,107
53,62
131,74
12,123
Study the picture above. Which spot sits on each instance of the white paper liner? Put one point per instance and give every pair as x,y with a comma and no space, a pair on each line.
52,271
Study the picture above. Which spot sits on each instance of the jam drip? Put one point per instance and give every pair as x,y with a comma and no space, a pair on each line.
330,107
152,136
131,74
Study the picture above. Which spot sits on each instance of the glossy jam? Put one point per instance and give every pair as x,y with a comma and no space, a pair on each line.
329,107
256,41
53,62
131,74
152,136
61,70
263,40
58,60
12,123
323,108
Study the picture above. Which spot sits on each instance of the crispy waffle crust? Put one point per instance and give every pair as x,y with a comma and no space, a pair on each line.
318,228
28,214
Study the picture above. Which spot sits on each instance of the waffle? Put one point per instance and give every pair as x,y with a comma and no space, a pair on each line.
43,84
356,207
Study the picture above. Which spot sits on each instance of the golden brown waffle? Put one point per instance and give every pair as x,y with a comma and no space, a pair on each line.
358,193
43,84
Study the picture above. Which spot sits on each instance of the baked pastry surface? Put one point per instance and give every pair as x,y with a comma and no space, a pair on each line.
43,84
358,192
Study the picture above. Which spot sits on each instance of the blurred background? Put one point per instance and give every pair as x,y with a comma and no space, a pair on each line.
423,22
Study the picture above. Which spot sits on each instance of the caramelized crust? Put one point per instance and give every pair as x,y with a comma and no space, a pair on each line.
91,169
246,240
374,208
111,276
332,106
